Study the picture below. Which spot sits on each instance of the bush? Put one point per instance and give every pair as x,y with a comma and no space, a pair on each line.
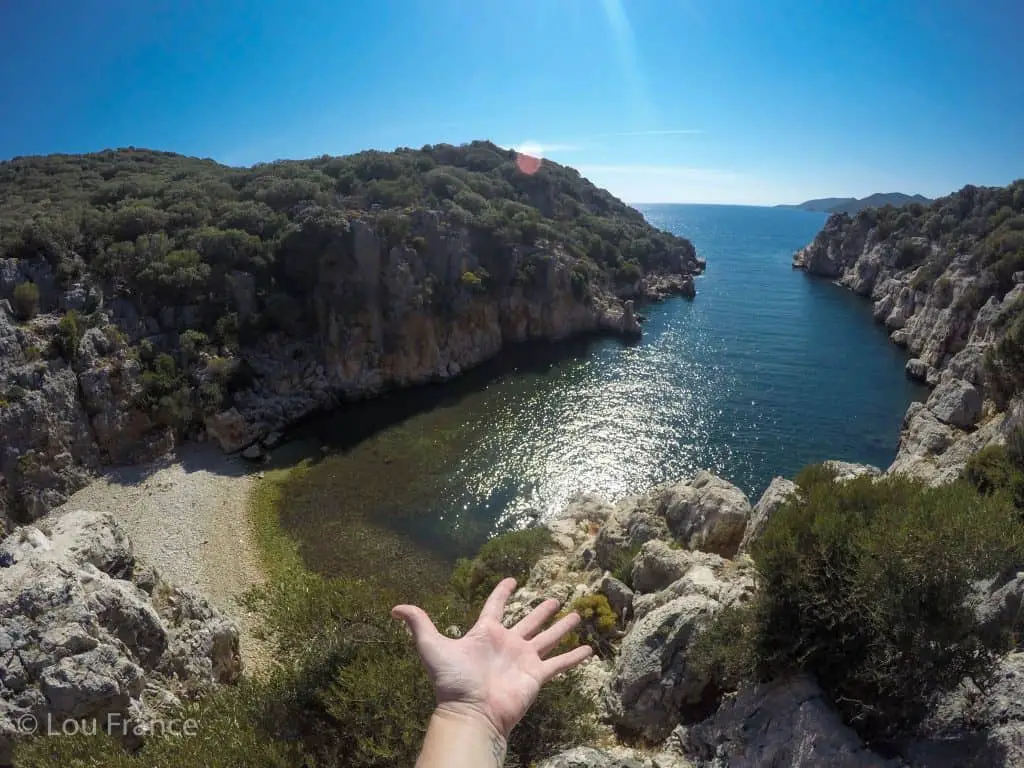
863,585
597,627
621,566
1004,363
510,554
69,333
725,651
472,280
25,301
999,469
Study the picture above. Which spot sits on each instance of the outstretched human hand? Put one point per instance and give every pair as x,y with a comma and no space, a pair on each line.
493,673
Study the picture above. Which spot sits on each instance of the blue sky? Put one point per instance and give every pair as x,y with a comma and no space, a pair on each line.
759,101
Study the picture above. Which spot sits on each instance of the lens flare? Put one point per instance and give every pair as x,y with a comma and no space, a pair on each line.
528,157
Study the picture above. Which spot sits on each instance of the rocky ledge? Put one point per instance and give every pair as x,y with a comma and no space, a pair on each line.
87,632
684,546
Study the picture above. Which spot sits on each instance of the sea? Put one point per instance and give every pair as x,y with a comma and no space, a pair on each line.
765,371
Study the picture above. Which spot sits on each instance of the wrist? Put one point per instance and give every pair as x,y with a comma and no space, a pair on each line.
473,717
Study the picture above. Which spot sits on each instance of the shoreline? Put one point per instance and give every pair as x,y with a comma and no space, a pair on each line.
188,516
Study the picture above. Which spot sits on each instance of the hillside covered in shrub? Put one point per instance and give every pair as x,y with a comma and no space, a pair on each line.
146,296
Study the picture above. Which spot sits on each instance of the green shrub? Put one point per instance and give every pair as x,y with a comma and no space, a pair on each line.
15,394
25,301
69,334
1004,362
472,280
725,651
863,585
510,554
621,566
999,469
597,627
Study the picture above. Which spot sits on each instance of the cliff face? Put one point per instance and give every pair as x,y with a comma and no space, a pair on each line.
946,281
147,298
388,317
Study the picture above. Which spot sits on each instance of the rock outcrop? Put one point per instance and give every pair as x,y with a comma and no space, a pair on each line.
785,723
672,712
86,632
938,301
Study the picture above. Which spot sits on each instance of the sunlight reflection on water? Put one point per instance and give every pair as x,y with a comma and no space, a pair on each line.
764,372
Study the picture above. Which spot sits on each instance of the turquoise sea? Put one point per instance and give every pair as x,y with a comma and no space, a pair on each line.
764,372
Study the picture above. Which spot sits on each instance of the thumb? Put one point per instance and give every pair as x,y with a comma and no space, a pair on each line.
420,625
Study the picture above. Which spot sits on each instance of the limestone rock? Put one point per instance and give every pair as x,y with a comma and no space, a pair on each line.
708,513
230,430
784,723
79,639
957,403
917,369
974,728
778,492
847,470
725,581
653,684
634,521
620,597
657,565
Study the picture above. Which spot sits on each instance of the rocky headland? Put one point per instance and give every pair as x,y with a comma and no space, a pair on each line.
947,282
148,298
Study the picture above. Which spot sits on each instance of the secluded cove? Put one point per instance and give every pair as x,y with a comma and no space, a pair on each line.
766,371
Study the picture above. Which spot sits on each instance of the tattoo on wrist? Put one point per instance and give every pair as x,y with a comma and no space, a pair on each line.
498,752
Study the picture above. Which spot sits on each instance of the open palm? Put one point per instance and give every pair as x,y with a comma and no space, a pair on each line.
492,670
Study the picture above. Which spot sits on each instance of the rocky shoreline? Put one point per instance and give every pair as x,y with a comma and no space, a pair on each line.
945,338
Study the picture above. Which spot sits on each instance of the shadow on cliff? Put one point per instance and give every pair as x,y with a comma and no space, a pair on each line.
977,749
352,423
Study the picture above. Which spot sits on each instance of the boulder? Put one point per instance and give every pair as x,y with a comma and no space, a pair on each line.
707,513
956,402
653,684
783,723
657,565
777,492
230,430
620,597
725,581
634,522
997,602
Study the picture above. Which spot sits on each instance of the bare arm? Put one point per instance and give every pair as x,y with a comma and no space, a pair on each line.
487,679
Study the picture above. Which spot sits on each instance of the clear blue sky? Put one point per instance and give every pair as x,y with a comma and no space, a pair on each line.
759,101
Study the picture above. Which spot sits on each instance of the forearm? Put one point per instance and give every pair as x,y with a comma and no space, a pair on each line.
461,739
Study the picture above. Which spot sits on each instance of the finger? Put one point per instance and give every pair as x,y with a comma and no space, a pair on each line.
537,618
419,624
565,661
495,605
550,637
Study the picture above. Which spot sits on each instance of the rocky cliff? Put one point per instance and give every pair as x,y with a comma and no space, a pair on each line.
147,298
947,282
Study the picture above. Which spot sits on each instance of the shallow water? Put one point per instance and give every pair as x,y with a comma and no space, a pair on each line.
765,371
